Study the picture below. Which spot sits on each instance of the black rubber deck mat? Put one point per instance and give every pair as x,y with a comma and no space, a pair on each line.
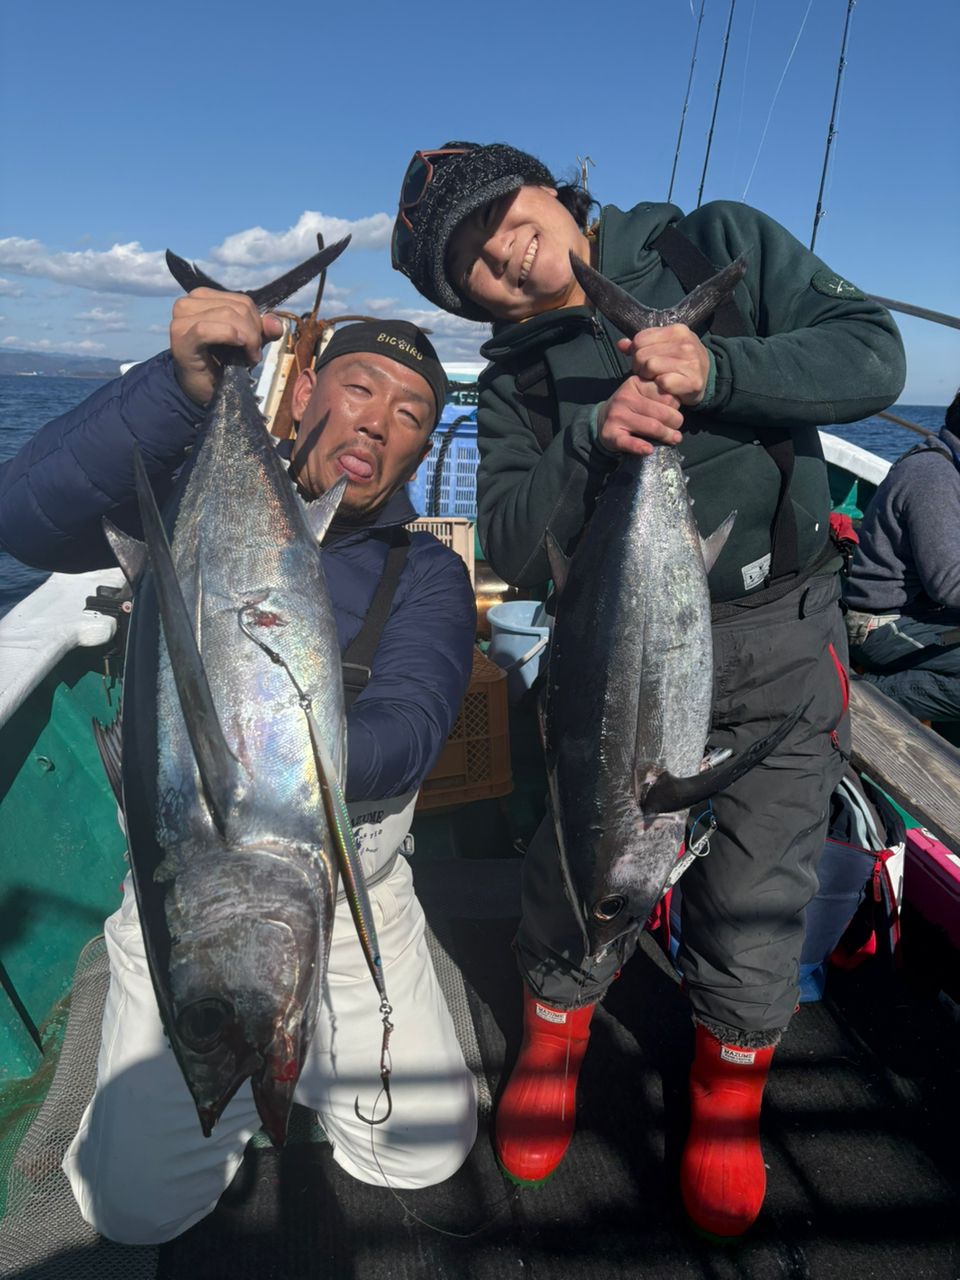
860,1135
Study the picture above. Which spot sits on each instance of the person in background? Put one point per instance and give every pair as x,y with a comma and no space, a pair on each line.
140,1168
902,594
485,231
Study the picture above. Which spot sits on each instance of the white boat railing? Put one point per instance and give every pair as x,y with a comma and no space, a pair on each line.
45,627
852,458
51,621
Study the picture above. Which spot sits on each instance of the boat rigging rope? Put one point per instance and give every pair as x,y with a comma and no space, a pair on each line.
686,100
776,95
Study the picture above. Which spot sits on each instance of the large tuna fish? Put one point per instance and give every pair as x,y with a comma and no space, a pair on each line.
630,676
234,751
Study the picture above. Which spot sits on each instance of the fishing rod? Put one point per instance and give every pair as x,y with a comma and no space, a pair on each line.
686,100
716,102
902,422
831,130
938,317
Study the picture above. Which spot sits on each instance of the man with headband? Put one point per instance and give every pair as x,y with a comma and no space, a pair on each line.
140,1167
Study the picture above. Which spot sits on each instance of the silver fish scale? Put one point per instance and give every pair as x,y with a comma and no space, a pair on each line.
267,571
249,911
634,699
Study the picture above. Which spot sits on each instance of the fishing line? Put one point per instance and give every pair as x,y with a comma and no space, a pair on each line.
783,76
409,1213
743,87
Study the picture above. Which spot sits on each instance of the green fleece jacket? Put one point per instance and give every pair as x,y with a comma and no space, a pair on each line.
822,354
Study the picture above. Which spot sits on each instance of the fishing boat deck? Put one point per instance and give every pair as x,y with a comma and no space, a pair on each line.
860,1136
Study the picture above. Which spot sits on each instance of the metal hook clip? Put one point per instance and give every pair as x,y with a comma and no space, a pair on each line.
386,1010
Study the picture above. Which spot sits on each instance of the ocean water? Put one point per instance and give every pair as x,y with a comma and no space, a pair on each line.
27,403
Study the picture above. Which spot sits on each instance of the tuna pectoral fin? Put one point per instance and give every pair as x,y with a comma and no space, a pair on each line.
215,761
559,562
319,514
131,553
190,277
712,546
672,795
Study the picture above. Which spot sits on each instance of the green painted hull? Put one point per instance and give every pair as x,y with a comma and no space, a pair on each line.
63,851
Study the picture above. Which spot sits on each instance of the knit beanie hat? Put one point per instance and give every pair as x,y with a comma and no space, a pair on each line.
460,184
398,340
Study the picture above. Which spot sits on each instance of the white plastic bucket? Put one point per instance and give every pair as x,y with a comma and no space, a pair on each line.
517,643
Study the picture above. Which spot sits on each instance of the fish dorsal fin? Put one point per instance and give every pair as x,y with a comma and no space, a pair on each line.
631,317
189,276
672,795
131,553
215,761
319,514
559,562
712,546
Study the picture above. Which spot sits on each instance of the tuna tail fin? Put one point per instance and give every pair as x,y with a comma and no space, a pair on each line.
672,795
630,316
189,276
215,761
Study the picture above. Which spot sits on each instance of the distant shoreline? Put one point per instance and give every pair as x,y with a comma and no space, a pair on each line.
61,373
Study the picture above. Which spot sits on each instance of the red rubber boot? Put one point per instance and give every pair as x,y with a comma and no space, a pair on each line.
722,1174
537,1112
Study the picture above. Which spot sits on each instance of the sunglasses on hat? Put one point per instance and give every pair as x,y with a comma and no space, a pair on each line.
416,180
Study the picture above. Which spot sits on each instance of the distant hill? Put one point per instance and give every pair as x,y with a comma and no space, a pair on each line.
58,363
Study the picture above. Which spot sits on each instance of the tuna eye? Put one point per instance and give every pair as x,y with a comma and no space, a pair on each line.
202,1023
609,908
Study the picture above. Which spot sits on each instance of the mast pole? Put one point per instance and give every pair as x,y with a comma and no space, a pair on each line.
686,100
831,131
716,102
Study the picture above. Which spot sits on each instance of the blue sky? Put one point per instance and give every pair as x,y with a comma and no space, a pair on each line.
232,137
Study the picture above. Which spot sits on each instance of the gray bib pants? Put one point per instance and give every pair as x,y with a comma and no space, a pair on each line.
743,904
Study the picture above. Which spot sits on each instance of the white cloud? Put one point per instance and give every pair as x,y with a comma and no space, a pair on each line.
85,348
113,321
257,245
124,268
381,304
131,269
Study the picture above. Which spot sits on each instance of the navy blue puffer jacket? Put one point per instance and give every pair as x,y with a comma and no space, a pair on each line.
79,468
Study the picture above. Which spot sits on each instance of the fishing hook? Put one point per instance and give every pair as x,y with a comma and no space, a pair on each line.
386,1010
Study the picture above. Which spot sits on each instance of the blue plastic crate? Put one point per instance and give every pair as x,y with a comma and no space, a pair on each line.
458,484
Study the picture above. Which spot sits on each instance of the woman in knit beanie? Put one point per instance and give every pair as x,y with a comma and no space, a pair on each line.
485,232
